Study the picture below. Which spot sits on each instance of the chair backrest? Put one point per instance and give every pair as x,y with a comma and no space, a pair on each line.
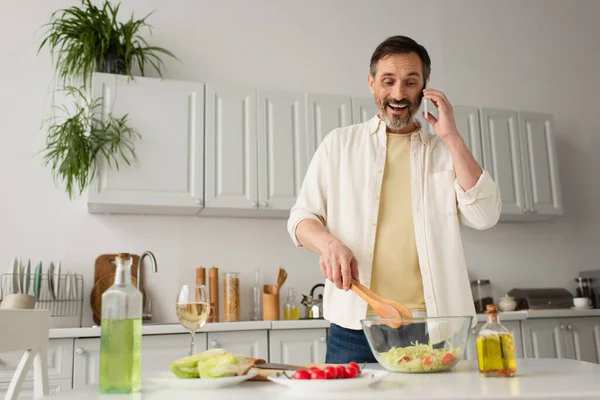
27,331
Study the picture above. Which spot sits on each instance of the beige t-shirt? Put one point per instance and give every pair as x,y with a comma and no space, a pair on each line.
396,274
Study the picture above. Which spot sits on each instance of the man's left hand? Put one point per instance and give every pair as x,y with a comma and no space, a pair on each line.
445,125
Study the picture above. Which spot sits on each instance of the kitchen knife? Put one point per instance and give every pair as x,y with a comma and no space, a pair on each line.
286,367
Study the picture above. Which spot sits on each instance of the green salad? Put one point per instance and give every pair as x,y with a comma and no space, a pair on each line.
215,363
419,358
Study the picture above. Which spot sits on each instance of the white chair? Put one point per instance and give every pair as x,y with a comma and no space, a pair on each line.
26,330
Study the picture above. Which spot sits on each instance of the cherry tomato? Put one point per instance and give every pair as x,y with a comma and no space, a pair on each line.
330,372
301,374
405,358
341,372
448,359
311,369
317,375
354,365
426,360
351,373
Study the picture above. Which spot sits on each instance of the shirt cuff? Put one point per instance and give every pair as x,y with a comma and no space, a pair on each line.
296,217
484,187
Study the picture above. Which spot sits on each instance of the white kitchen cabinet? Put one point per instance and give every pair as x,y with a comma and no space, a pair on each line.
469,127
363,109
248,343
583,339
157,352
298,346
502,157
167,176
540,164
513,326
282,151
231,158
324,114
27,393
60,362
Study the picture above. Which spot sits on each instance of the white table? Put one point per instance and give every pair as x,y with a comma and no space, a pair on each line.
554,379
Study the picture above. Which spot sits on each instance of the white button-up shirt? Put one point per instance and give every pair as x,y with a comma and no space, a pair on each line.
341,190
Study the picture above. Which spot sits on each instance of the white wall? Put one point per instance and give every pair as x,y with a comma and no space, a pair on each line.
534,55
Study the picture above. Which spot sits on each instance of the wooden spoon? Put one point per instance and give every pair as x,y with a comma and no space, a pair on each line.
402,309
386,309
281,278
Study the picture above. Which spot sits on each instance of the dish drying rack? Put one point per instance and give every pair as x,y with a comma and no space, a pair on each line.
62,296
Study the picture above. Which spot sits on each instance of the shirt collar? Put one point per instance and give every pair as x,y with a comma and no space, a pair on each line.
376,125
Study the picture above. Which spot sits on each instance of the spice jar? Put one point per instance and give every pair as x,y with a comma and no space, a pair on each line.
482,294
231,297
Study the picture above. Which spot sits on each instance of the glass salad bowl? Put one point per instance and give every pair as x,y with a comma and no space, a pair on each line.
418,345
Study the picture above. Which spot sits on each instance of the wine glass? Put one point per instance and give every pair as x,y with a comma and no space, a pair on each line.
193,309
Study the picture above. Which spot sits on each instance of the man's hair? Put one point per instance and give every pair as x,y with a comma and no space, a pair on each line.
400,45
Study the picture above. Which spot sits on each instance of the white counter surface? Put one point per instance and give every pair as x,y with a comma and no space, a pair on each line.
556,379
162,329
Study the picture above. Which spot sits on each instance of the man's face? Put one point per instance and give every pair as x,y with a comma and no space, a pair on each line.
398,89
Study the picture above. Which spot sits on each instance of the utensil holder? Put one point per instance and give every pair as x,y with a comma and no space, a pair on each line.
270,303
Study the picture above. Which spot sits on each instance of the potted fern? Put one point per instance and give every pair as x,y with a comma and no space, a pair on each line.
84,40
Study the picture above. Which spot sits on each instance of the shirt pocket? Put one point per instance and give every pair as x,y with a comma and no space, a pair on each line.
442,195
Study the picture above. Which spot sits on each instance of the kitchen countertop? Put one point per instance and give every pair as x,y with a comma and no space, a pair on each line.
558,379
162,329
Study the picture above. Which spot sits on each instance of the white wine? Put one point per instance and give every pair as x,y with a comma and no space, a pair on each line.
192,315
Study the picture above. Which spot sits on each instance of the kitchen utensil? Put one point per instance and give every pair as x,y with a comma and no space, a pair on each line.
15,276
99,288
281,278
270,303
313,305
37,281
17,301
437,337
385,308
283,367
167,379
201,276
304,386
585,289
582,302
50,275
482,294
28,276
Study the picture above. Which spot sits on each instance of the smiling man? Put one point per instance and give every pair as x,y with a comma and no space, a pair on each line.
382,201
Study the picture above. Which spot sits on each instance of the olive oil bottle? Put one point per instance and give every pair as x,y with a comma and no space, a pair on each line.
121,333
495,347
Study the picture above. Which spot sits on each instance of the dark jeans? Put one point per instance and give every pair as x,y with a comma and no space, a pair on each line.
345,345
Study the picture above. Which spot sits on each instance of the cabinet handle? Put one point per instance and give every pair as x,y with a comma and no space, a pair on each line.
199,202
79,351
562,327
323,339
531,211
524,211
264,204
254,204
569,327
214,343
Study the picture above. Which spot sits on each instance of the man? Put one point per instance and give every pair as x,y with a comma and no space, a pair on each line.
382,200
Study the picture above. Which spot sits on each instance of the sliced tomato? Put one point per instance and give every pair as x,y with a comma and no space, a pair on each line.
405,358
448,359
426,360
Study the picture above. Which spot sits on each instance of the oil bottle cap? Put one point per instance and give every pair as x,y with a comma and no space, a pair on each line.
123,256
491,309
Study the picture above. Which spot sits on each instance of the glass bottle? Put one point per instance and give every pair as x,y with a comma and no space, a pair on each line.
256,297
291,309
231,297
121,332
495,347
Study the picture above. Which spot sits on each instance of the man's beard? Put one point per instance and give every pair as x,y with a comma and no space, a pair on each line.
397,122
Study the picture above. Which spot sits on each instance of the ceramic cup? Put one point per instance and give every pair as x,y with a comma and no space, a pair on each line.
18,301
582,302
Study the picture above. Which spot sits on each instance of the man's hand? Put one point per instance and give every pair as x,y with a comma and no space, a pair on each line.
445,125
338,264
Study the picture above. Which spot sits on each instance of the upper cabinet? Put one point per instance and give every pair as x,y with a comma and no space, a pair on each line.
282,150
469,127
324,114
167,176
231,158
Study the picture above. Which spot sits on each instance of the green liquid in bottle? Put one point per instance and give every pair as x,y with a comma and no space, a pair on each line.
120,355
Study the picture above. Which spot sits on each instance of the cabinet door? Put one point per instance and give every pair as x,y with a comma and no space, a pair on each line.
363,109
60,361
298,346
583,339
540,164
502,157
27,393
471,349
231,152
86,362
167,176
282,156
324,114
544,338
248,343
469,127
158,351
